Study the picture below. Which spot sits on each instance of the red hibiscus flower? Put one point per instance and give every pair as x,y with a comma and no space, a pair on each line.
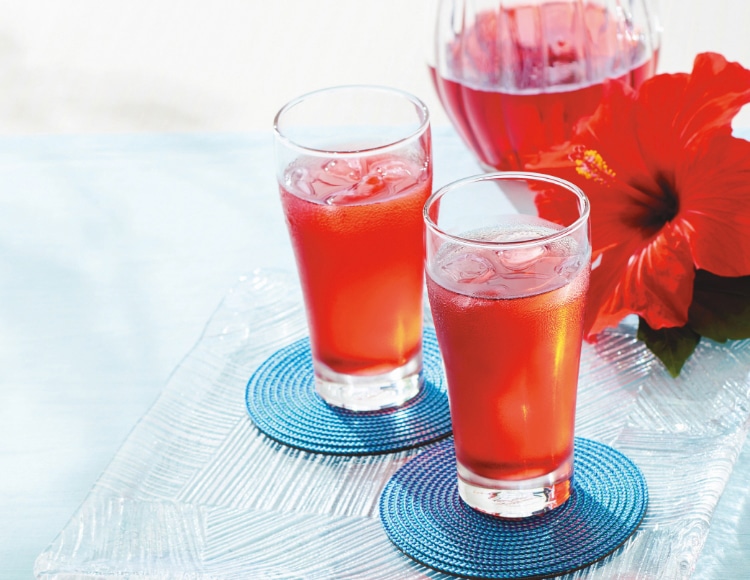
670,206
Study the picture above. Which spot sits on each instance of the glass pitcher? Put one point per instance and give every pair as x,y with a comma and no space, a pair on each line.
515,76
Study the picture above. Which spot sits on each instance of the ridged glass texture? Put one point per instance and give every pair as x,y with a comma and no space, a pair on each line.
197,492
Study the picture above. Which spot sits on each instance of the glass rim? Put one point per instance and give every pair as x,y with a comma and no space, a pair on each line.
424,120
585,208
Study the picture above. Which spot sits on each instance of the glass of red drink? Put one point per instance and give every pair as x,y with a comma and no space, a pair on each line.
507,289
515,76
354,168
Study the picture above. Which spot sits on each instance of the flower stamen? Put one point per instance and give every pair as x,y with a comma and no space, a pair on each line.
591,165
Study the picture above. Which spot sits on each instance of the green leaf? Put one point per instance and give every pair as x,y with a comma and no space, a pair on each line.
672,346
721,307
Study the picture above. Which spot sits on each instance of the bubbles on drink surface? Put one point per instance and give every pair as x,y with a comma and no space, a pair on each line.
506,271
349,180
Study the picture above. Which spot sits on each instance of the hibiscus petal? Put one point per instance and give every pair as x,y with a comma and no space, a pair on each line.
615,240
602,310
659,100
715,93
551,203
714,212
612,222
674,113
656,283
611,131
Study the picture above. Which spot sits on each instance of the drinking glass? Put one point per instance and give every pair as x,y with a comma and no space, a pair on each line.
354,169
515,76
508,291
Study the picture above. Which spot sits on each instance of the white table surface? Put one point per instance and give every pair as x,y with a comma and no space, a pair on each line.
114,251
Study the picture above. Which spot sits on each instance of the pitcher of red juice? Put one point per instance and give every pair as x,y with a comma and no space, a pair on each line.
515,76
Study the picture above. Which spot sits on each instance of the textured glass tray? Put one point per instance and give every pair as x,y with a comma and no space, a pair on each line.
197,492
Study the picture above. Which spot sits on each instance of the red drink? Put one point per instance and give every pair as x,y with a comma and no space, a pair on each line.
354,169
357,232
518,80
510,331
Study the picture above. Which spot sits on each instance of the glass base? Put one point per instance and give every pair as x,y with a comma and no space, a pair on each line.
369,392
516,498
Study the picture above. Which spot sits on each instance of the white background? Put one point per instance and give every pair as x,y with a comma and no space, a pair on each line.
92,66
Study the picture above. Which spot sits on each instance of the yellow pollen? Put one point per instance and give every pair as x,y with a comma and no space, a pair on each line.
591,165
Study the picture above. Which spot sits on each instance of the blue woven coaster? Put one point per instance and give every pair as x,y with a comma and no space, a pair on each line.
283,404
426,519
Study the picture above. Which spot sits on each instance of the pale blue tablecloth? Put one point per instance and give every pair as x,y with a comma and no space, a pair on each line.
114,251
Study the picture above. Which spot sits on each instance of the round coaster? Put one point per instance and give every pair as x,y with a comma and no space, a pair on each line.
426,519
283,404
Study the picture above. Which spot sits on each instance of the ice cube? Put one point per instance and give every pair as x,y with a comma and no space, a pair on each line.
341,171
568,267
497,287
298,180
369,187
372,184
400,174
340,197
519,259
468,267
391,169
